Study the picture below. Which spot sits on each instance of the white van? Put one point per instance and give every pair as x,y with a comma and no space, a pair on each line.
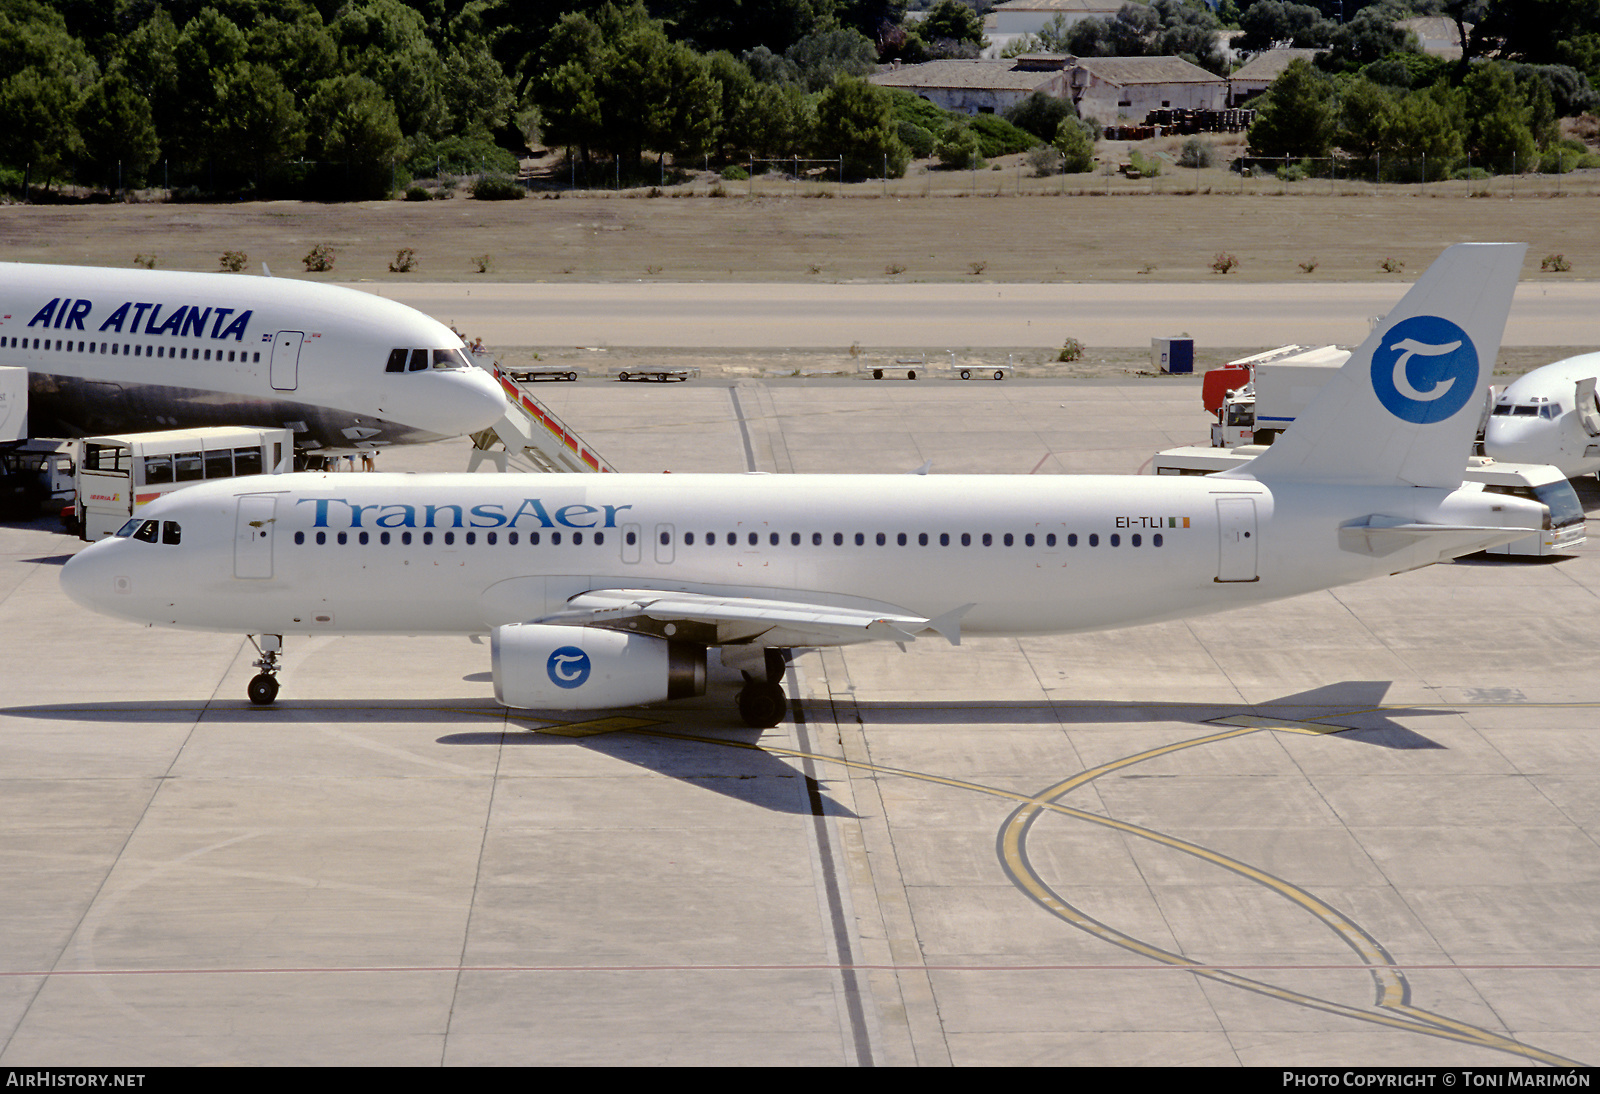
119,473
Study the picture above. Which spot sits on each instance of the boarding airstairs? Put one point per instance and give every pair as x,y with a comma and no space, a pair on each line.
530,432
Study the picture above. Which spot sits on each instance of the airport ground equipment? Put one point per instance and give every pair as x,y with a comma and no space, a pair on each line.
529,429
118,474
1255,398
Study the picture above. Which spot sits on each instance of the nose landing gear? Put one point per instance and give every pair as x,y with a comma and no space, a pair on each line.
263,687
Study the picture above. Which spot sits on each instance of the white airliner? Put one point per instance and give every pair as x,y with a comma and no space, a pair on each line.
114,351
1552,416
607,591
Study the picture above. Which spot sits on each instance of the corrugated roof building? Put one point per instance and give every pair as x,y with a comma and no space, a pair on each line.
1108,88
978,86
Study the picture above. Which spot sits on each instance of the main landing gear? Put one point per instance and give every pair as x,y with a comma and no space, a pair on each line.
263,687
762,703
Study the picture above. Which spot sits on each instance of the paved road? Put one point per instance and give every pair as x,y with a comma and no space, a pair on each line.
978,315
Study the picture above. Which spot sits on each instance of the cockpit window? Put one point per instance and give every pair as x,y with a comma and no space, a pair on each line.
171,532
1526,412
1551,411
128,529
416,360
147,531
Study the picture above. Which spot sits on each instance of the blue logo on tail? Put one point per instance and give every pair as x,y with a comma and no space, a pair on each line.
1425,369
568,667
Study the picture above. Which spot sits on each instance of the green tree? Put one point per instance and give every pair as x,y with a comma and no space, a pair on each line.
119,135
1075,141
854,121
1367,115
1295,116
1041,114
356,136
958,148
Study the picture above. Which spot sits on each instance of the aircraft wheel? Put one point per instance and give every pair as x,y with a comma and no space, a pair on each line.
911,374
263,689
762,706
877,374
572,376
623,376
966,374
999,375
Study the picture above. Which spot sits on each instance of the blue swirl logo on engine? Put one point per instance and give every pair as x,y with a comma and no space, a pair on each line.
568,667
1425,369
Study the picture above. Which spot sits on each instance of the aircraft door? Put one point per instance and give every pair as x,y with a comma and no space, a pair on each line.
664,542
252,536
285,369
1236,530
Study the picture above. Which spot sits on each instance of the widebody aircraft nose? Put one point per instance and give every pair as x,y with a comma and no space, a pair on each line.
455,402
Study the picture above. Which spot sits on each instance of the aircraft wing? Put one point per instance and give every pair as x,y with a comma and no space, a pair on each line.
739,620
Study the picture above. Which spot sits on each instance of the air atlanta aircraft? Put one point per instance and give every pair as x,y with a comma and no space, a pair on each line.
113,351
1552,416
607,591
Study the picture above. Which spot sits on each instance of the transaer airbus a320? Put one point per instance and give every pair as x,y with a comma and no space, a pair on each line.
609,591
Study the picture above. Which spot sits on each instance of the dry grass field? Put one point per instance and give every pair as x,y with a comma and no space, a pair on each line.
933,226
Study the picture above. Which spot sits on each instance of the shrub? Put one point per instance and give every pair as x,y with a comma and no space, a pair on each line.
892,269
1147,166
417,193
482,263
147,262
1075,142
1071,350
497,188
1044,159
1556,263
233,261
460,156
319,259
916,138
734,173
959,149
1224,263
1197,152
405,260
1392,265
976,268
998,137
1309,265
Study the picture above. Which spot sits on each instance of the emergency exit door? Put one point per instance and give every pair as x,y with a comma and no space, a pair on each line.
285,368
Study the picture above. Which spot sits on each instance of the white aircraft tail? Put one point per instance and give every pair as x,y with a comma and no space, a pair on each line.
1404,409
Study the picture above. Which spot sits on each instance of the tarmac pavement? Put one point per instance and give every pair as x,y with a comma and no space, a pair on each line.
1355,828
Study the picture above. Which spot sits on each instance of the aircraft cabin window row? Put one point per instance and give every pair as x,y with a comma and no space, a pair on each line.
729,539
135,349
416,360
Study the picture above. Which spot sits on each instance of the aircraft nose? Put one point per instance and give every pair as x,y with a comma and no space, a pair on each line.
1519,439
464,401
91,577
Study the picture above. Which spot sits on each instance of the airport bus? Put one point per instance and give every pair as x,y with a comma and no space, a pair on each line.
118,473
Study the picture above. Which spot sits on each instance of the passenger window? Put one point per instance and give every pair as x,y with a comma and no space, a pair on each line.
1094,539
1155,540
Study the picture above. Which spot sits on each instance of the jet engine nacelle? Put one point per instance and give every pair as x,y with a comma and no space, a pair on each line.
583,668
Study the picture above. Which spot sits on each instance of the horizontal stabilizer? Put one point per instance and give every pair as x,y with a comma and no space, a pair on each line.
1379,536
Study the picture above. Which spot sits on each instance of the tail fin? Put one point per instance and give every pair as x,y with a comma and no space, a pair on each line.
1403,410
